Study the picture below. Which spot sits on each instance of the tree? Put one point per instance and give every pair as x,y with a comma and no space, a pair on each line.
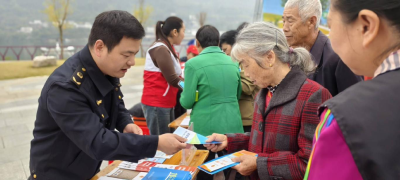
202,18
142,14
57,12
325,4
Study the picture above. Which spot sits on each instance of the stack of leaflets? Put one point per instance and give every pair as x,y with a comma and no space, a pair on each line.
160,154
124,174
137,171
142,167
156,160
222,163
146,166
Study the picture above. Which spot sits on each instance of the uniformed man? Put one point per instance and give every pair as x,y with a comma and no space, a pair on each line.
81,104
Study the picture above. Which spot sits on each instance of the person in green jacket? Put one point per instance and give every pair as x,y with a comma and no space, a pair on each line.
217,79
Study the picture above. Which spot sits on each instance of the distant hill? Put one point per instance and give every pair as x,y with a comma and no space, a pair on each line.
15,14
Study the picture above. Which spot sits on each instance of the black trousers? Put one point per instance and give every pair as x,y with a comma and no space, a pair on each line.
247,129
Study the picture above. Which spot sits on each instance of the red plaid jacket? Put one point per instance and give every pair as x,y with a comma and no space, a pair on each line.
282,134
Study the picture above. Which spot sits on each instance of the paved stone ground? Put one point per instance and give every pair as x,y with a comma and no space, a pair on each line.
18,105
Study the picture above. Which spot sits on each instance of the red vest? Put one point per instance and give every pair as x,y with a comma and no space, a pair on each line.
157,92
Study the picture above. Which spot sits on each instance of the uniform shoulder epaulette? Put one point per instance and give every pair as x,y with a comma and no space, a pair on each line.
79,76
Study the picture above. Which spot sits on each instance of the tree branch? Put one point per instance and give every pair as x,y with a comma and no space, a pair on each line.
65,12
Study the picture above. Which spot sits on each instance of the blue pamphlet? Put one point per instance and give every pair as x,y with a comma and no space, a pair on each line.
156,173
224,162
181,84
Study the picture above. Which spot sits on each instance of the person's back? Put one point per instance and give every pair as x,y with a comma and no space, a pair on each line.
212,87
218,86
212,90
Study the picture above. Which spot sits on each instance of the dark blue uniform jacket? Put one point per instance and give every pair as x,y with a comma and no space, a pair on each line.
79,110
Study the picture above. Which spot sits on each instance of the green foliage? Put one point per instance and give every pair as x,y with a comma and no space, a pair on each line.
57,12
142,12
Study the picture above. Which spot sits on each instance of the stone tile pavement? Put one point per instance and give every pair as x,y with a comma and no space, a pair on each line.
18,105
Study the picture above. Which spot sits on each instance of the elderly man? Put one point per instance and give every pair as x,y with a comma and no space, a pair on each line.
301,19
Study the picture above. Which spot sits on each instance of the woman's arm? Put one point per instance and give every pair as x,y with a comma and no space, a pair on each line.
188,96
162,59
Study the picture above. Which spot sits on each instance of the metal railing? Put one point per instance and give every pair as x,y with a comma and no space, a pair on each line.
29,52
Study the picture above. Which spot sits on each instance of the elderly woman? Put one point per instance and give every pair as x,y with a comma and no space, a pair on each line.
285,114
358,137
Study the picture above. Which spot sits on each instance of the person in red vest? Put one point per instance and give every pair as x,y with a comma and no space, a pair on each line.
162,73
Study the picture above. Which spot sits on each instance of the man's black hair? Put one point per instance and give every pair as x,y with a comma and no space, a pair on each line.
242,26
112,26
208,36
228,37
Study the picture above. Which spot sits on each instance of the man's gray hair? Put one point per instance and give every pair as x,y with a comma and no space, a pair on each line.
307,9
259,38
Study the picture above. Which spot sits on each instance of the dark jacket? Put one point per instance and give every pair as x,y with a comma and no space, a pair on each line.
282,133
331,72
246,101
368,116
79,108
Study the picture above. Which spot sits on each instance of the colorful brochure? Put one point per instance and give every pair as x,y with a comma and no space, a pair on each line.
222,163
192,170
144,166
182,85
192,137
157,160
167,174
